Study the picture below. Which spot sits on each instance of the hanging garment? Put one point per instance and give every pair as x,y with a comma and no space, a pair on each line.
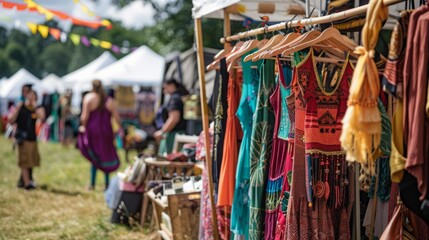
206,225
415,87
281,218
392,79
381,220
322,98
220,91
276,171
246,109
233,134
262,137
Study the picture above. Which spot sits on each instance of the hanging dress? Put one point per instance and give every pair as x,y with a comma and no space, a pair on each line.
319,162
262,137
246,109
206,225
233,135
276,172
220,106
281,218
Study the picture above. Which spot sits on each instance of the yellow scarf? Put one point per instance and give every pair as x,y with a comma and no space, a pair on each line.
362,122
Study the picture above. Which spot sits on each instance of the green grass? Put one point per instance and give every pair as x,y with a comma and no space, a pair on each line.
61,207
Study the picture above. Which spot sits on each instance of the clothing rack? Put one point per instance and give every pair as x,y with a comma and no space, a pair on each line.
304,22
264,30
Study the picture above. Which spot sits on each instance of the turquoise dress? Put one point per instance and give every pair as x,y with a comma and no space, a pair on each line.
261,143
246,109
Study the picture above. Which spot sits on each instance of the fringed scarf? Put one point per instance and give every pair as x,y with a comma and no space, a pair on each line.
362,121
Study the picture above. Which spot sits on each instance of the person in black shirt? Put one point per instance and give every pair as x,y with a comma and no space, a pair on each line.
172,116
25,116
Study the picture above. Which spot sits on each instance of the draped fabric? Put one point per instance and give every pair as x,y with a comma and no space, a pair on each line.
262,137
362,121
246,109
278,162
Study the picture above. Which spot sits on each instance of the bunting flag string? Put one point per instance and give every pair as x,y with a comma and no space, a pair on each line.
76,39
32,6
84,8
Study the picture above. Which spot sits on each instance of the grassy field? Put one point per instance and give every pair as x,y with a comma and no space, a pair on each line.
61,207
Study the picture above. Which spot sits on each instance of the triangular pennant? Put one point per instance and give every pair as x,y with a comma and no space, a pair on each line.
86,10
84,40
115,49
63,37
125,50
30,4
75,39
49,16
95,42
105,44
107,24
32,27
43,30
56,33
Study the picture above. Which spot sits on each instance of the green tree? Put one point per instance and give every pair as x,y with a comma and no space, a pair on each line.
55,59
14,52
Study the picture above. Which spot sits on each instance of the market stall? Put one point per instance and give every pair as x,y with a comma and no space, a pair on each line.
315,181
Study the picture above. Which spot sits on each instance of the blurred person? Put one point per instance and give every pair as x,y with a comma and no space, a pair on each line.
172,114
96,137
25,116
24,90
145,109
67,118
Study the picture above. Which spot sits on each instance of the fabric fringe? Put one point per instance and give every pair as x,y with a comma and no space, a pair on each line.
362,122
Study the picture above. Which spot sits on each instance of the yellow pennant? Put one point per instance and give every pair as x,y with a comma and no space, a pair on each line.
48,14
32,27
95,42
75,39
43,30
106,44
86,10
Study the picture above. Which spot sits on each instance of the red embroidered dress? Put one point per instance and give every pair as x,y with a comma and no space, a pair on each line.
321,102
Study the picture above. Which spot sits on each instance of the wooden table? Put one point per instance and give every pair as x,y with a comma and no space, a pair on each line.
184,212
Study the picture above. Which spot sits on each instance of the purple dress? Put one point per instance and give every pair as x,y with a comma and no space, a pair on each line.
96,143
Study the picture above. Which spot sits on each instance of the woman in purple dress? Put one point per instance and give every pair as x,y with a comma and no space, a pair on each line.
96,138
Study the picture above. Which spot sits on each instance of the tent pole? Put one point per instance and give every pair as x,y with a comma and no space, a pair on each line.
205,119
304,22
226,28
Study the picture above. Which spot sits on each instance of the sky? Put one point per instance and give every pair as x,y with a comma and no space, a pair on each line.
134,16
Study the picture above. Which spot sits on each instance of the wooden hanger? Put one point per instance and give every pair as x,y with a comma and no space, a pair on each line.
223,54
252,44
285,40
330,36
308,36
272,42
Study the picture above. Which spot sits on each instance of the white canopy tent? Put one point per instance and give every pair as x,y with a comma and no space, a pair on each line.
85,73
142,67
3,81
52,83
11,90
